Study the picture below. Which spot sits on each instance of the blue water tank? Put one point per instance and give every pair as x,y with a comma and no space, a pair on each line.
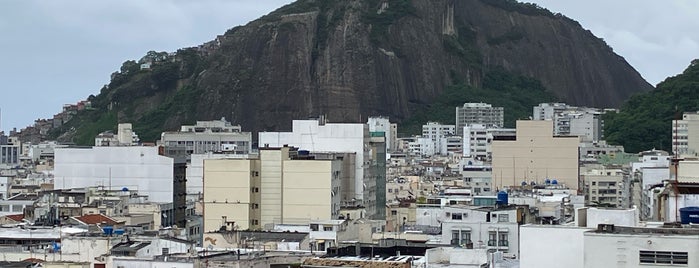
532,183
118,231
524,183
547,181
554,182
108,230
124,189
689,215
502,198
304,152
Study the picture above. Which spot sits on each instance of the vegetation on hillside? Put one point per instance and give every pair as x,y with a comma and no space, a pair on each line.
644,122
518,94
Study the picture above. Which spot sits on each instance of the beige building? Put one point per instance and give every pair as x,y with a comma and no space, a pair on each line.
685,135
535,155
280,186
606,186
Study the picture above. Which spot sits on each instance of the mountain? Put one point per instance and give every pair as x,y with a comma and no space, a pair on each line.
644,122
352,59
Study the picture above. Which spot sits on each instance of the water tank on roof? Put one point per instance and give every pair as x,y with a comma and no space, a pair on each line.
524,183
554,182
502,198
124,189
303,152
108,230
118,231
547,181
689,215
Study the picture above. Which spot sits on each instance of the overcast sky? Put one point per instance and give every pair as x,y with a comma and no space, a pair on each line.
61,51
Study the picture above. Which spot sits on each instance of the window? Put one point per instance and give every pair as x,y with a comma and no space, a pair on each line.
663,257
503,218
456,216
502,240
314,227
390,190
165,251
327,228
492,239
393,212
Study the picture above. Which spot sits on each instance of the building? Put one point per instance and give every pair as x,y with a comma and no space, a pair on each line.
535,155
496,229
606,186
478,139
479,113
382,124
316,135
10,151
685,135
125,137
570,120
440,139
207,136
611,245
132,167
282,186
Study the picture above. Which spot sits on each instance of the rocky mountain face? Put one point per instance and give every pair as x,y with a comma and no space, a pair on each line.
351,59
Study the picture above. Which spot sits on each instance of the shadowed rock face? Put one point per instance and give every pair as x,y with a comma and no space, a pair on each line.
351,59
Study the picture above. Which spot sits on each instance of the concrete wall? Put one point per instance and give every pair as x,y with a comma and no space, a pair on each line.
136,167
551,246
535,156
622,250
308,191
226,193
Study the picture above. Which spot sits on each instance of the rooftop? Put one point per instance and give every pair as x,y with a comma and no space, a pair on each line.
96,219
611,229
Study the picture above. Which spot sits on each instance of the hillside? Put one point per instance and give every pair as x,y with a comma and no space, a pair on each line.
352,59
644,122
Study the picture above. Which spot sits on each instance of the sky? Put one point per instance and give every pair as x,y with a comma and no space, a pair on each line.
61,51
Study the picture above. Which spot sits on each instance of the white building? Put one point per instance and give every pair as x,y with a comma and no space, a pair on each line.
319,136
479,113
570,120
43,150
492,228
439,136
125,137
207,136
133,167
382,124
478,138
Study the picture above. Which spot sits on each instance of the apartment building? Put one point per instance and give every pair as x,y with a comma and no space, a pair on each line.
390,130
317,135
441,139
535,155
207,136
685,135
479,113
281,186
570,120
606,186
478,139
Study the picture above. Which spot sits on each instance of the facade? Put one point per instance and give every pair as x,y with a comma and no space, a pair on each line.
496,229
439,138
611,246
535,155
133,167
685,135
478,138
207,136
479,113
279,187
606,186
570,120
390,130
319,136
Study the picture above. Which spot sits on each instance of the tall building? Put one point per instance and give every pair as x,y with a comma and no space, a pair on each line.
479,113
439,135
207,136
318,136
10,151
685,135
478,139
535,155
570,120
377,170
281,186
606,186
382,124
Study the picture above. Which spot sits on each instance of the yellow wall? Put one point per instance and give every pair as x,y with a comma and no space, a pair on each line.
535,155
227,192
307,190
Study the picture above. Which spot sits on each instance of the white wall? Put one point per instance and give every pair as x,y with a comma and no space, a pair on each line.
622,250
136,167
551,246
308,135
618,217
